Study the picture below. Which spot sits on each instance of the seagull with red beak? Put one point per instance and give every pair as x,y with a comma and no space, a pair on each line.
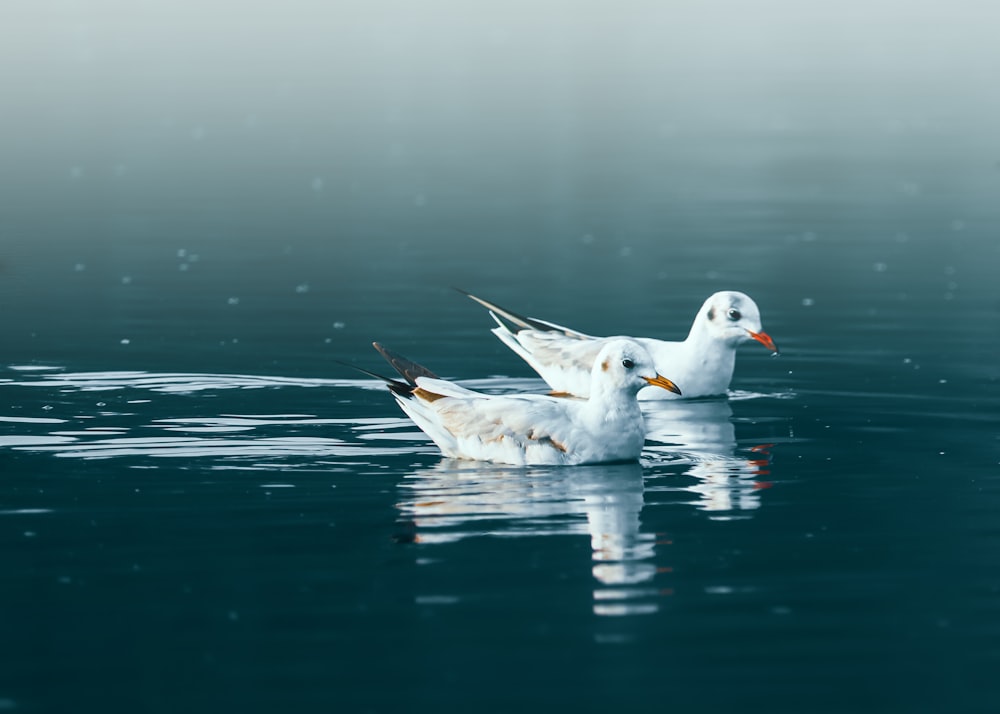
702,363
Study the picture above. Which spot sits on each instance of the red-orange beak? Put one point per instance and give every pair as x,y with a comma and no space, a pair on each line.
764,339
660,381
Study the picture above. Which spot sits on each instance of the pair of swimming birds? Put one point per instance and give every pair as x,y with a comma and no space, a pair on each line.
593,414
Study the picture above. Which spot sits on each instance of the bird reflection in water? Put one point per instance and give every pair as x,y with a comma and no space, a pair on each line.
455,499
694,441
702,435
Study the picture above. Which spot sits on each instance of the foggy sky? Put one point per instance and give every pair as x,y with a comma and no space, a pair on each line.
176,96
340,60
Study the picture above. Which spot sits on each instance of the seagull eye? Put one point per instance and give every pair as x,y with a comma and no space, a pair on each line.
627,363
734,314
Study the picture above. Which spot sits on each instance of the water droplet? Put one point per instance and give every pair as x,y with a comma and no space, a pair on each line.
808,302
339,325
880,267
233,301
126,341
79,267
126,280
302,288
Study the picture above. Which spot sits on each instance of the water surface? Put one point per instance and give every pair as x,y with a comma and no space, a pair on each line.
202,508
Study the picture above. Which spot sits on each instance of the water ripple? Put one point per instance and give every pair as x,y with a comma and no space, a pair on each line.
274,447
178,382
691,449
692,455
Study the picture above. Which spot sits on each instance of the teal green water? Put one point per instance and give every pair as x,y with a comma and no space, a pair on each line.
269,531
201,509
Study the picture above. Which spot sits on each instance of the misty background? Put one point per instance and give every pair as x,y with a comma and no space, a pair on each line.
210,172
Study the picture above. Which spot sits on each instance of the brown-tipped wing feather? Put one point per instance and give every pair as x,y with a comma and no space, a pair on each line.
409,369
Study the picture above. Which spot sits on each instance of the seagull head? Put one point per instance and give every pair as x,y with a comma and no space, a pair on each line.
625,365
734,318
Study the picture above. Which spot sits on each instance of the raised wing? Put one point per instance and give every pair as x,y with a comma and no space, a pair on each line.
508,319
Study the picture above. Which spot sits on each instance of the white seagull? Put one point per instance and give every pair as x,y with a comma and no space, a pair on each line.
703,363
534,429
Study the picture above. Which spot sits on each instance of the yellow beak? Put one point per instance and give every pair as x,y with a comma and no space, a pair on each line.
660,381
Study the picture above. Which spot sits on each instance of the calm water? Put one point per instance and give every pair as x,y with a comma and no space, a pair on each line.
201,509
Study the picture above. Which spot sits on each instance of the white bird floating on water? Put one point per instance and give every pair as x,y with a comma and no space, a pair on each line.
703,363
534,429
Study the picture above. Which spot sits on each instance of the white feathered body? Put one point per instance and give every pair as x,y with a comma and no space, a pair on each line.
564,361
526,429
701,365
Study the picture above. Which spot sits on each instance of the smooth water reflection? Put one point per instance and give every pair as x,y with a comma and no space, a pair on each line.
702,435
692,449
454,500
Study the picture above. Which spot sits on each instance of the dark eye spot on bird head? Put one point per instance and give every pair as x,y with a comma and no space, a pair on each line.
711,313
604,366
734,314
627,363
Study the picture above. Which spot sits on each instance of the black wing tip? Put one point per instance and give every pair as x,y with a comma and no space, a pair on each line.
401,390
395,386
510,316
